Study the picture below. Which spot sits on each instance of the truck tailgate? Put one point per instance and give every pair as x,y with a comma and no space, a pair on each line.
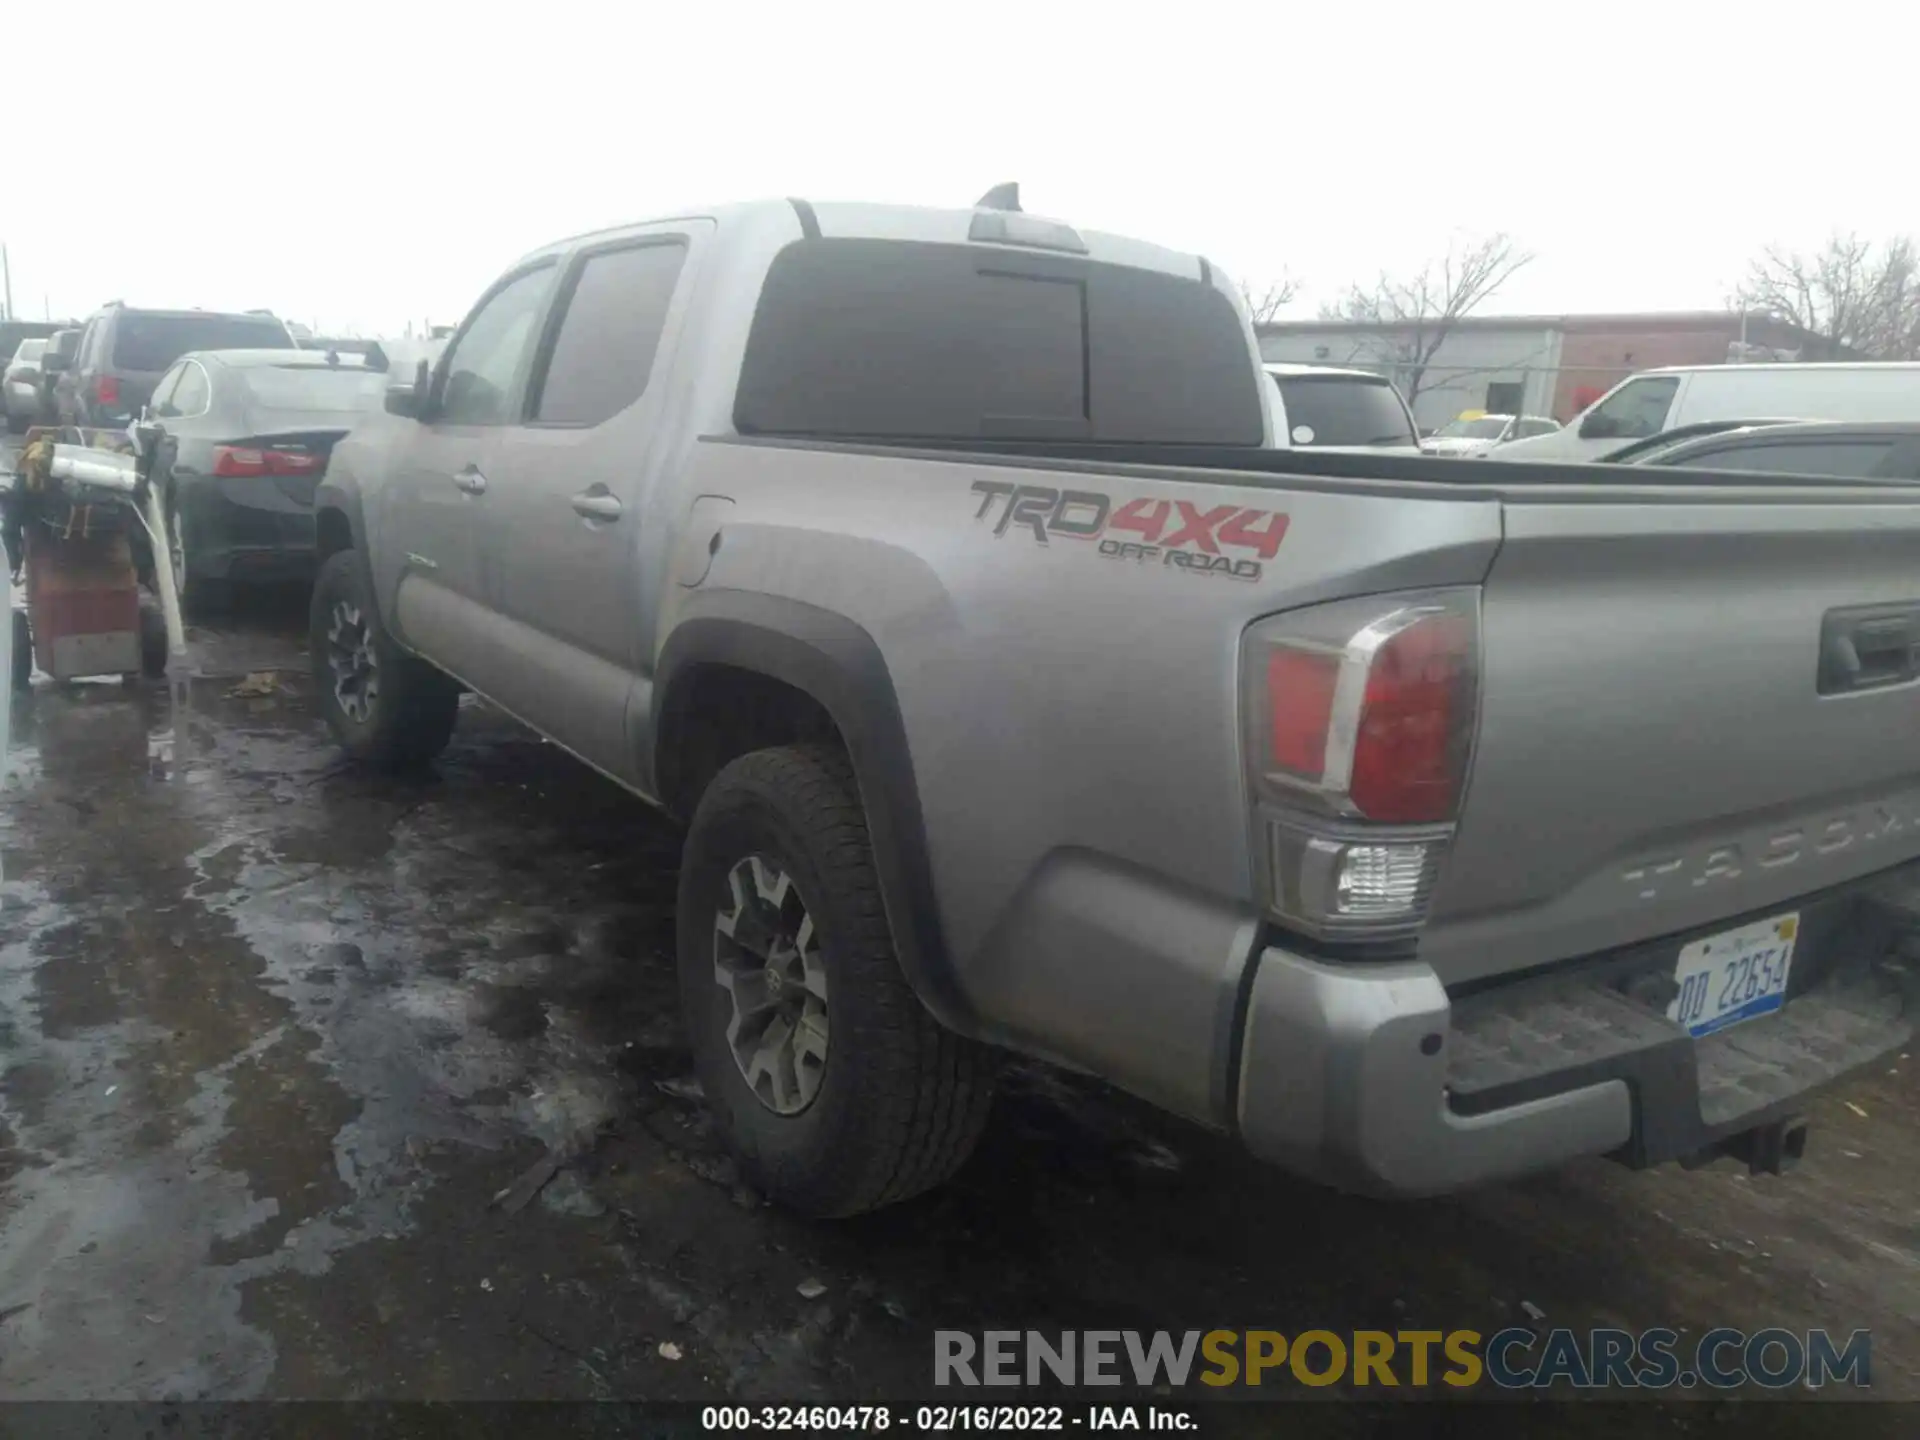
1660,745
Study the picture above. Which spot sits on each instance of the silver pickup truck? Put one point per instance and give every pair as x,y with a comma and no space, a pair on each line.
1419,822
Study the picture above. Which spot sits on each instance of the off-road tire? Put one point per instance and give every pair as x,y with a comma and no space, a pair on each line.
901,1100
412,717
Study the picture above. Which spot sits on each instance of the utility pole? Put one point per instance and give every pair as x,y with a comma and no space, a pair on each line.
6,273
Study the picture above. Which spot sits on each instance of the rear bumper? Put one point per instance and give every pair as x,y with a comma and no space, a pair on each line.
230,539
1372,1078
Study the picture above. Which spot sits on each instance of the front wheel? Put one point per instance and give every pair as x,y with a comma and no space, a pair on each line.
386,708
831,1083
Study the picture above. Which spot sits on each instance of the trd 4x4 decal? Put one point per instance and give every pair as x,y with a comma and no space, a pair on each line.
1175,533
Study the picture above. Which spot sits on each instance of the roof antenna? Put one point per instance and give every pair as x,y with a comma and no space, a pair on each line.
1000,197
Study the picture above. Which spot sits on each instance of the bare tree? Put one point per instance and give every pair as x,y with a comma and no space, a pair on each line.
1853,297
1415,315
1266,304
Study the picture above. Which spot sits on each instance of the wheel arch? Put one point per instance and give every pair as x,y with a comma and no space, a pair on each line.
337,522
821,662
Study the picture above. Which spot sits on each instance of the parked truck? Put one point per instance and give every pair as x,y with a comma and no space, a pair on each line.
1418,822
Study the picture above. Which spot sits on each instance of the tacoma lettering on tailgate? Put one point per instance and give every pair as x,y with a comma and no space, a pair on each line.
1176,534
1729,859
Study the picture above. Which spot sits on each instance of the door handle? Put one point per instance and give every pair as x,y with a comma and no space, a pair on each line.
1866,647
596,505
470,481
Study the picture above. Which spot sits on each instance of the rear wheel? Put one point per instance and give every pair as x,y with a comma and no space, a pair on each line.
834,1087
386,708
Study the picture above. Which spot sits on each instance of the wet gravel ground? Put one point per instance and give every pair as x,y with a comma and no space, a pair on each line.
274,1035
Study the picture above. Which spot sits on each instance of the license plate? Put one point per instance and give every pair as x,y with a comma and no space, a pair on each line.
1735,975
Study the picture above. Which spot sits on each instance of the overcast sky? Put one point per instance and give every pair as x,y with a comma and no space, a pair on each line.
358,165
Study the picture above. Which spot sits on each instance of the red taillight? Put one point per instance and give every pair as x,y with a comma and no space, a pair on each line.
1360,723
1391,744
244,460
1300,685
106,390
1409,750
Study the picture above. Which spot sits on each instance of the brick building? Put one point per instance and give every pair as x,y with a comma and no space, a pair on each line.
1538,364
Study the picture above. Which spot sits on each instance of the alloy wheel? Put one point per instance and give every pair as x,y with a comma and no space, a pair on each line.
766,956
350,657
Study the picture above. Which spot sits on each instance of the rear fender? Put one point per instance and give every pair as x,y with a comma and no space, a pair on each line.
837,663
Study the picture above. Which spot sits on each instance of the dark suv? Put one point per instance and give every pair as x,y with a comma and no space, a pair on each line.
124,352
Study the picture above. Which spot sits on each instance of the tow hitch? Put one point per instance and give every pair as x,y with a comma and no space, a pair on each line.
1765,1150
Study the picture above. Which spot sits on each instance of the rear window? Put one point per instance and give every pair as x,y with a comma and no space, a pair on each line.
153,342
312,387
892,339
30,350
1344,410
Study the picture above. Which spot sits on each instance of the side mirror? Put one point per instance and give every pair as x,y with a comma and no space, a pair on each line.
1599,426
409,397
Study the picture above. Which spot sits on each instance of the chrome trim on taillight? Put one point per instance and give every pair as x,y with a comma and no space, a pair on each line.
1350,693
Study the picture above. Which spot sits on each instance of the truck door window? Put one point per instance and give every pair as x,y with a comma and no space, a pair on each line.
1857,459
609,332
1635,411
485,359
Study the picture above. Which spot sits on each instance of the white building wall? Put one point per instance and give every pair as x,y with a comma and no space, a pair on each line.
1467,362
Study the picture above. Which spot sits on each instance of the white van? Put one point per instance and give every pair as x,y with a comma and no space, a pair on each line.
1644,405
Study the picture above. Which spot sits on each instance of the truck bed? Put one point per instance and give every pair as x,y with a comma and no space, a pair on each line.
1654,752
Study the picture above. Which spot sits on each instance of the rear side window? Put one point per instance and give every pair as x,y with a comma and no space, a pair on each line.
1344,410
193,394
603,353
1856,459
892,339
153,342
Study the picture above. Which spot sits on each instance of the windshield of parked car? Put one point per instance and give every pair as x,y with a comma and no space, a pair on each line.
29,350
1344,410
314,387
1487,427
153,342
